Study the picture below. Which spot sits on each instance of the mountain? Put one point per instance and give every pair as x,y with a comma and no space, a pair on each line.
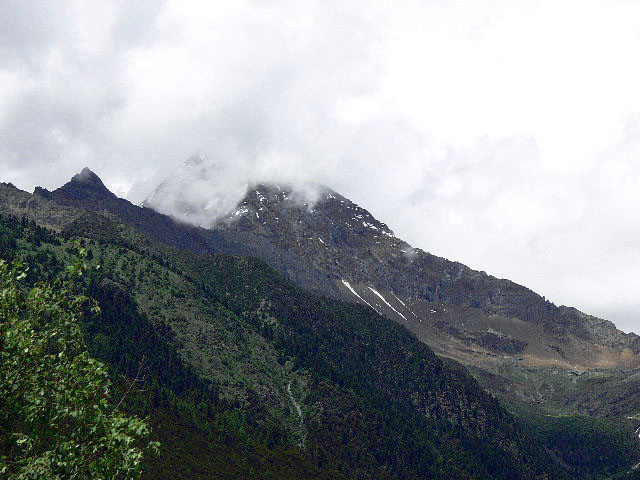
544,362
93,196
503,329
519,345
248,375
372,266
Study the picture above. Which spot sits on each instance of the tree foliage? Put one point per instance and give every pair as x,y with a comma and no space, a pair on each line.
56,417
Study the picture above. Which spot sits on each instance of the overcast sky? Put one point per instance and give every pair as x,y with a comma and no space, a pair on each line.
503,134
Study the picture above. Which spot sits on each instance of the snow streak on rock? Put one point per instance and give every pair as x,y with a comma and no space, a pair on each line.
388,304
348,285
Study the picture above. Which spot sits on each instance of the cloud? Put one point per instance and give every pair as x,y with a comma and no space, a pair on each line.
502,134
28,30
62,86
572,236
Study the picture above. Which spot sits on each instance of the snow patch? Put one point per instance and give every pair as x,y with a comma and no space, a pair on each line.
348,285
385,301
405,306
370,225
240,211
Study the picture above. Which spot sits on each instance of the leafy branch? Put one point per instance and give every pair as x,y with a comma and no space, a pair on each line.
56,419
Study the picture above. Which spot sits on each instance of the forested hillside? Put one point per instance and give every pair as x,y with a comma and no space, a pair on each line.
226,359
247,375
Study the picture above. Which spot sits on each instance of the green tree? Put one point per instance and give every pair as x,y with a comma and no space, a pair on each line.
56,418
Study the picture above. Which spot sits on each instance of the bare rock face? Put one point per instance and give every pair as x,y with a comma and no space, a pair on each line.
363,258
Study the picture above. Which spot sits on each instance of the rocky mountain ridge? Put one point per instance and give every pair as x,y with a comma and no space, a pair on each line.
372,401
370,265
336,248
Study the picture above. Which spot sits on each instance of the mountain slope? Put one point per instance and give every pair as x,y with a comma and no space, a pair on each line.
85,191
506,330
493,351
335,248
362,257
375,402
